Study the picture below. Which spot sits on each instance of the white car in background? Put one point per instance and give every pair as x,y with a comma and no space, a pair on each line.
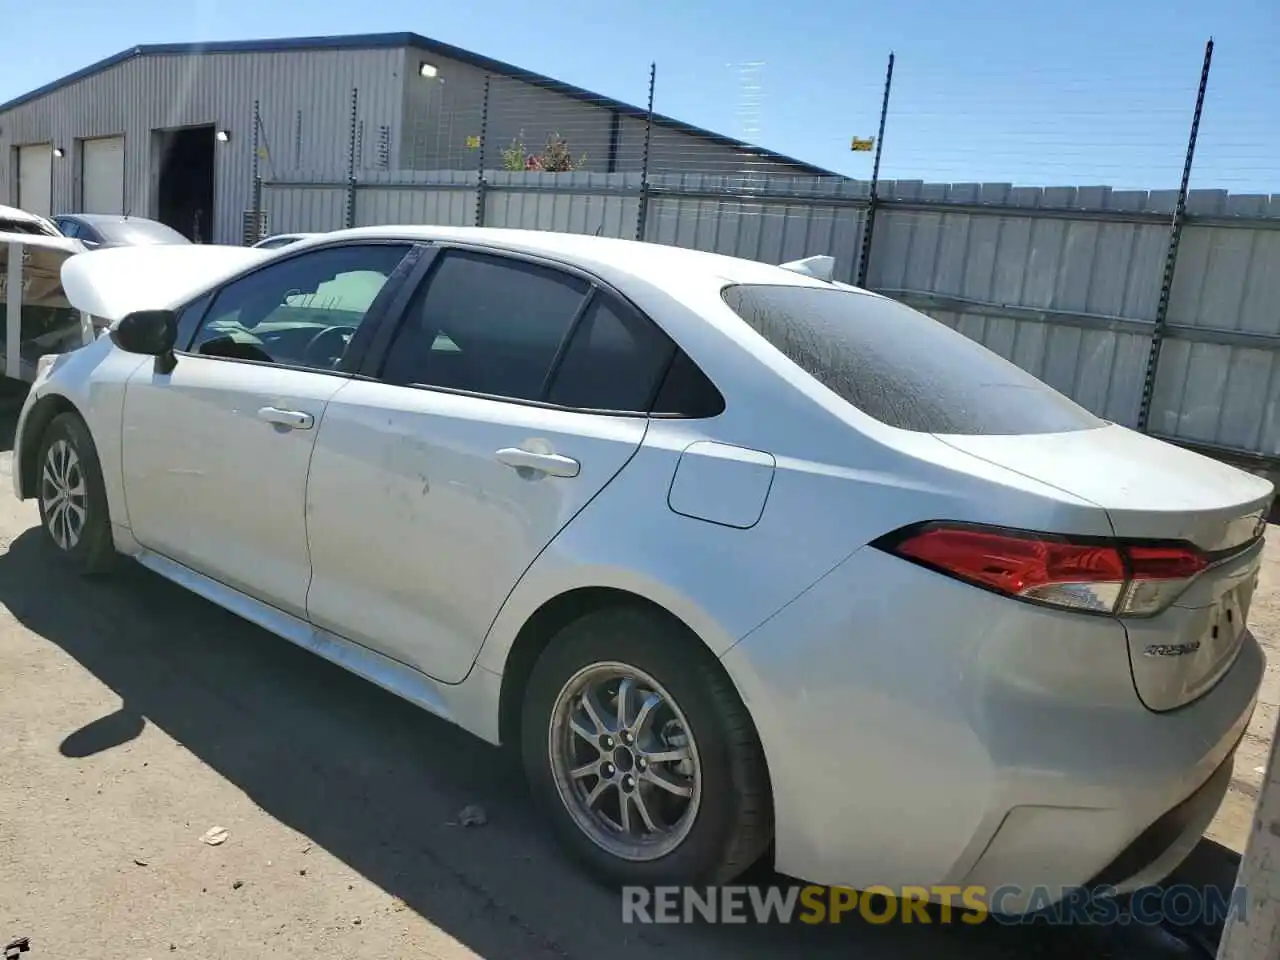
15,221
31,267
733,554
282,240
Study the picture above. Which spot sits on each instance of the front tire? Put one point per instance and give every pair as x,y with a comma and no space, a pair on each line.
72,496
639,749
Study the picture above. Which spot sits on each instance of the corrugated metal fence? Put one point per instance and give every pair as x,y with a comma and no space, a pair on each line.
1064,281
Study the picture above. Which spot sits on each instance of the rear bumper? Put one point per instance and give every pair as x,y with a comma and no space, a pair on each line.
922,732
1158,850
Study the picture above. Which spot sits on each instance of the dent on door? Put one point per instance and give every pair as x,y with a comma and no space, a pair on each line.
424,509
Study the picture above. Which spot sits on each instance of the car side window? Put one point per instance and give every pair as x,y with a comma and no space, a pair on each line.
300,312
615,361
485,324
687,392
189,318
69,228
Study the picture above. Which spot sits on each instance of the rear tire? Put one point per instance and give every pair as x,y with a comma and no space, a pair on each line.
678,790
73,498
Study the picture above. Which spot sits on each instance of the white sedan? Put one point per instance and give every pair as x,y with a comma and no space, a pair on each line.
734,555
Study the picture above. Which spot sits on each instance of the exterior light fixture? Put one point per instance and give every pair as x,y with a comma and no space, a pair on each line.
57,152
428,70
222,136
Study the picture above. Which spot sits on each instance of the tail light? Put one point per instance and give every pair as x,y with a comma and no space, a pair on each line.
1088,574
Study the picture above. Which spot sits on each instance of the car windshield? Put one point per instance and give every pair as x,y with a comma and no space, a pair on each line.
902,367
30,227
138,232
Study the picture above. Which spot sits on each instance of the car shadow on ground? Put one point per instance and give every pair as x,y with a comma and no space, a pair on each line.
379,783
11,397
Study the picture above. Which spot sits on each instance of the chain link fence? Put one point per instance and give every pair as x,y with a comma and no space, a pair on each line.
1152,307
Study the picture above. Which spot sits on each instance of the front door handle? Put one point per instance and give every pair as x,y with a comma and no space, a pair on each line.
551,464
293,419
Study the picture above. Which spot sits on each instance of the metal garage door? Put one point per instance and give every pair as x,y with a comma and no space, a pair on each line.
35,178
102,175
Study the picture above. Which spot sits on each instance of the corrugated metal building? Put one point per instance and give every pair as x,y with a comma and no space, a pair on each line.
167,130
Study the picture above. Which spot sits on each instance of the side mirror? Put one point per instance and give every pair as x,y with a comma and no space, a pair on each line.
151,333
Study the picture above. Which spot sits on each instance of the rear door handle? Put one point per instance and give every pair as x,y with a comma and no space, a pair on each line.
293,419
551,464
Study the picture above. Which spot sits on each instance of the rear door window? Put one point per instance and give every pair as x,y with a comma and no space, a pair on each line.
614,361
901,367
486,324
687,392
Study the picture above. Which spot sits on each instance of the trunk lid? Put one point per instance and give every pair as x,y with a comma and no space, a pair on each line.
1152,490
1149,488
113,282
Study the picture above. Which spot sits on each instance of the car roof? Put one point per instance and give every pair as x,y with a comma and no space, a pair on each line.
679,287
656,263
285,236
107,218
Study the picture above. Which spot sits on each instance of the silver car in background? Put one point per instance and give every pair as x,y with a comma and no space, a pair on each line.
97,230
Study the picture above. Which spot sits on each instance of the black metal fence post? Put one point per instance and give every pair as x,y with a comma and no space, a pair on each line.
481,183
351,158
1171,255
869,223
256,230
642,213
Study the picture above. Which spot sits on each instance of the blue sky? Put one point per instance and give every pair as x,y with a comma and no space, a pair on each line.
1089,92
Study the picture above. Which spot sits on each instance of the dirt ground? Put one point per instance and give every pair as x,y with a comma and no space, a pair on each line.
136,717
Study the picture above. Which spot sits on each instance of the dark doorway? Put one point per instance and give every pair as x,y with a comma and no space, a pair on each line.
184,192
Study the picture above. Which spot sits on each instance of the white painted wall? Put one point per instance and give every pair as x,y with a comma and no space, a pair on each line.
102,175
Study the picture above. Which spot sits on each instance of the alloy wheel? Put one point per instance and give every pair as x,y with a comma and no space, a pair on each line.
625,761
64,494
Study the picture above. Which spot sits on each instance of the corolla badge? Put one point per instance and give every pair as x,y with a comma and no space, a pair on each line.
1171,649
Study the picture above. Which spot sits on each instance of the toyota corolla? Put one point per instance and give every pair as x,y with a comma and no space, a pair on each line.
733,555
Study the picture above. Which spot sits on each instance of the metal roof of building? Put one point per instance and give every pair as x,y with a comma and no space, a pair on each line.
372,41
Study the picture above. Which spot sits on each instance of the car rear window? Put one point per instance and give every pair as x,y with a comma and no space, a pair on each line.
901,367
140,233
